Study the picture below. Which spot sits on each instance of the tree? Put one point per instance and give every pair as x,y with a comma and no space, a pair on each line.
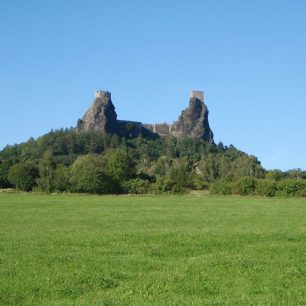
179,173
46,172
23,176
245,186
4,169
61,181
88,175
119,165
275,175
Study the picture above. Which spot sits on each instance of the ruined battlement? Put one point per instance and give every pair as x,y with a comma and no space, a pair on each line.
163,129
102,93
198,95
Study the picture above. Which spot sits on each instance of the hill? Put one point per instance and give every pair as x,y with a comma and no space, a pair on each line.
106,155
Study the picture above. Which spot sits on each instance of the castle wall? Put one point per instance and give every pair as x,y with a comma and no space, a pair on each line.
130,124
162,129
131,128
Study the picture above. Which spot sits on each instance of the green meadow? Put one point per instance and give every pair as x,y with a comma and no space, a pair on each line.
151,250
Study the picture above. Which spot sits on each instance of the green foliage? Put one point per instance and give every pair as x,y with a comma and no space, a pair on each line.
222,187
4,169
89,176
262,187
136,186
46,172
167,185
23,176
266,188
244,186
119,165
179,174
175,164
208,168
290,188
62,179
274,175
302,192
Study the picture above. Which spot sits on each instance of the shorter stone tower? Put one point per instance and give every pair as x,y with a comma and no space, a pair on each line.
198,95
102,93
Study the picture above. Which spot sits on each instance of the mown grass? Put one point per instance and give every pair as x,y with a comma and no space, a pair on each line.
177,250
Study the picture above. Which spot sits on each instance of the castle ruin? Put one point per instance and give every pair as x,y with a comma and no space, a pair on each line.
102,117
102,93
198,95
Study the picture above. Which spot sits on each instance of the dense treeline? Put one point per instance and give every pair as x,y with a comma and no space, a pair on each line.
63,161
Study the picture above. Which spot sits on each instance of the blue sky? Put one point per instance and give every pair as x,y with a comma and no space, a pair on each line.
248,56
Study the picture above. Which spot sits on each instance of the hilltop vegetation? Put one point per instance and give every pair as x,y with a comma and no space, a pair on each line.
100,163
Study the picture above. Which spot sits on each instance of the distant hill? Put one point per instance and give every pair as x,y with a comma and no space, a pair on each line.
105,155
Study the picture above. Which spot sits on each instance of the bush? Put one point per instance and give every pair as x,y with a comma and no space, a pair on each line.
302,192
198,183
4,169
94,182
23,176
166,185
88,175
136,186
245,186
266,188
290,188
61,179
119,165
223,187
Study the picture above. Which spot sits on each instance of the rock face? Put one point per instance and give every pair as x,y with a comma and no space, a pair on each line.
101,115
193,122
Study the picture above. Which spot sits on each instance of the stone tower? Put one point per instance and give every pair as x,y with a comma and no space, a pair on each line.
198,95
102,93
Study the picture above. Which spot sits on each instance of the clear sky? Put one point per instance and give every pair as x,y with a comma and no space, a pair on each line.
248,56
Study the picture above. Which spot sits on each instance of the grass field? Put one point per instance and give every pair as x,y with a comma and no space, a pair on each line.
177,250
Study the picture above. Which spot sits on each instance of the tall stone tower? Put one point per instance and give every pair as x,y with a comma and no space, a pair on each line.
198,95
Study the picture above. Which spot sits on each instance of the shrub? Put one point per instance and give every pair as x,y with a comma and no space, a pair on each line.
302,192
119,165
290,188
61,179
266,188
166,185
23,176
88,175
222,186
245,186
136,186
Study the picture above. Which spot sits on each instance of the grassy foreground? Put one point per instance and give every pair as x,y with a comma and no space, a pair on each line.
178,250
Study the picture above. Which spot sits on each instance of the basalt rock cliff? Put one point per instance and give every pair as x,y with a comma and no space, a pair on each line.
193,122
101,117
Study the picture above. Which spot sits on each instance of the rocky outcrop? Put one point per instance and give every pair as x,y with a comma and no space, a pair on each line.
193,122
101,115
